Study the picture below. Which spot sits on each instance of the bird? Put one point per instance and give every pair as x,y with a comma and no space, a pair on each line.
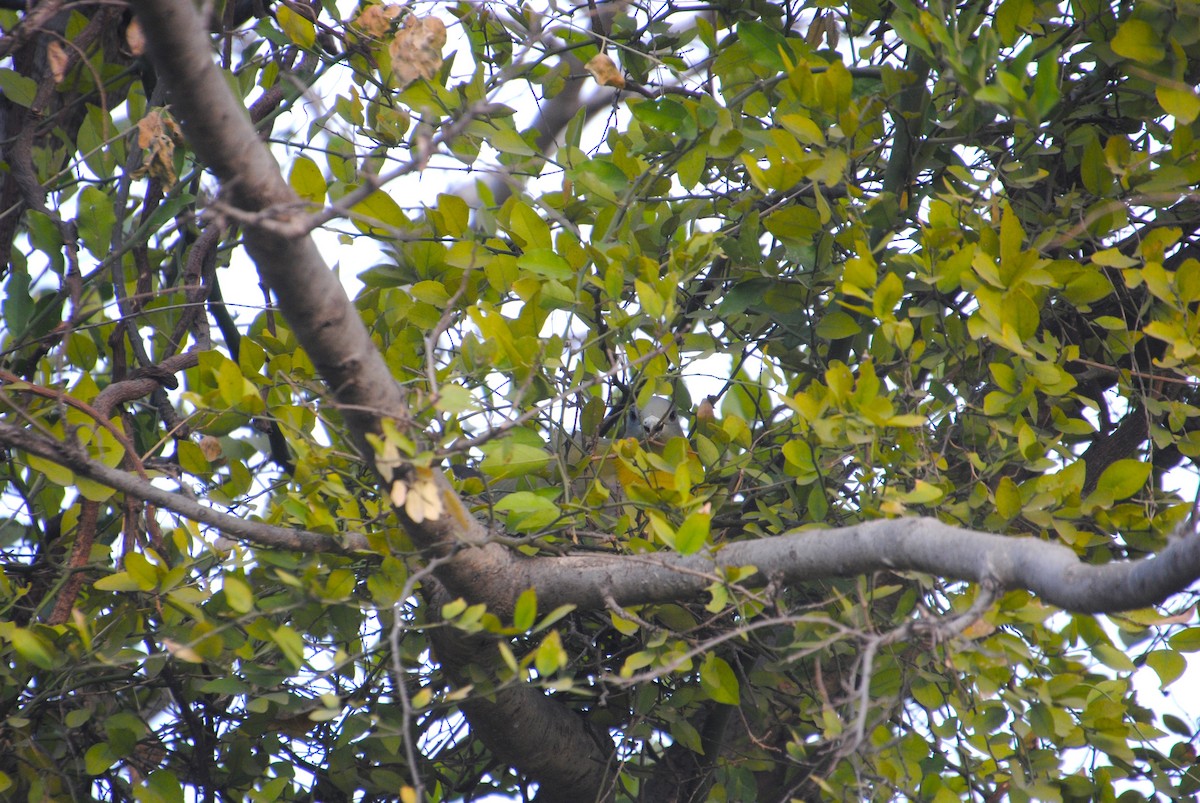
581,458
655,422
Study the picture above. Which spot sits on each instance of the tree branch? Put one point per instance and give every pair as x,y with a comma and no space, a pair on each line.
73,457
310,295
1052,571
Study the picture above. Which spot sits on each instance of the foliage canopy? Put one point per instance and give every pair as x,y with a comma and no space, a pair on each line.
914,273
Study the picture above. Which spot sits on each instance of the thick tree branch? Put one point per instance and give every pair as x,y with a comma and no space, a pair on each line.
1052,571
314,303
309,294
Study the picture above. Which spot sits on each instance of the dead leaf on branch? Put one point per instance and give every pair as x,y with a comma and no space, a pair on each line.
605,71
158,135
135,39
416,49
378,21
56,56
418,496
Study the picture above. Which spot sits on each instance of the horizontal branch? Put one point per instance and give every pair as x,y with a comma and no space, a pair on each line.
1052,571
271,536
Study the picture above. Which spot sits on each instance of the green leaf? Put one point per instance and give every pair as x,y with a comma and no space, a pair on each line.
1113,658
18,304
238,594
18,88
649,299
298,28
290,643
693,533
119,581
143,571
836,325
1008,499
33,648
665,115
508,458
378,208
99,758
525,611
431,292
506,140
1181,103
527,512
162,783
93,491
306,178
96,220
455,400
545,262
1168,664
763,43
550,656
799,460
1123,479
718,680
1187,640
1011,16
1138,41
803,128
887,296
455,214
191,458
554,615
530,230
59,475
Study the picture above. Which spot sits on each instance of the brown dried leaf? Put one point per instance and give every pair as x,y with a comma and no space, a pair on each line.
376,21
158,136
56,56
416,49
149,128
210,447
605,71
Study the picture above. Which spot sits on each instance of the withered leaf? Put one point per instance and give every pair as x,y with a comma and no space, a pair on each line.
416,49
605,71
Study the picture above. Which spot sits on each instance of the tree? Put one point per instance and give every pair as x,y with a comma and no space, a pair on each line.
942,259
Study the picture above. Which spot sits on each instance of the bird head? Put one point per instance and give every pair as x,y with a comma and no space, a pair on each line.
656,421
